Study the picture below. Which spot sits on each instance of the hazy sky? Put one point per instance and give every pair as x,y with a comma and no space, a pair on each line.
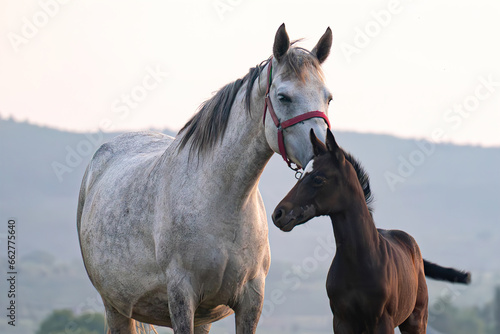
409,68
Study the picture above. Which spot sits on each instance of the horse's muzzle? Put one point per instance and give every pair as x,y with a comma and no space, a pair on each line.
286,217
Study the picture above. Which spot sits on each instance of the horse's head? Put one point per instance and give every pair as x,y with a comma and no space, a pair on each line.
297,98
321,189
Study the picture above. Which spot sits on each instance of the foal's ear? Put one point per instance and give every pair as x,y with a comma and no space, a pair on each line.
281,43
318,147
333,147
322,49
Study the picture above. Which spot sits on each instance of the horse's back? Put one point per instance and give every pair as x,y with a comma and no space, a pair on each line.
403,241
146,146
143,145
124,164
129,151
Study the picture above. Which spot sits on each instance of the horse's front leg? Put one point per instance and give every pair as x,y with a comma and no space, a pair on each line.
181,306
249,306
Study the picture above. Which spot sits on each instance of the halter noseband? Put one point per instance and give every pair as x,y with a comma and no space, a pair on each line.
288,123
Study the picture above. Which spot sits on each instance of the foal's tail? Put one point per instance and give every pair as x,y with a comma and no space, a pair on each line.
437,272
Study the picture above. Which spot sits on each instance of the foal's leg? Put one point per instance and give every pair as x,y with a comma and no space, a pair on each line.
249,306
385,325
417,321
204,329
118,323
340,327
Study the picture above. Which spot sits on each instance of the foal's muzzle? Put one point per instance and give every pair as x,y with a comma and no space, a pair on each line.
286,217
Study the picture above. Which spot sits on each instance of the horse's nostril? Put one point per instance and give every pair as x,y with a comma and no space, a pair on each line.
277,215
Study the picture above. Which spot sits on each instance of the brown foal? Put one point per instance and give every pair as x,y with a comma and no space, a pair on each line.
376,281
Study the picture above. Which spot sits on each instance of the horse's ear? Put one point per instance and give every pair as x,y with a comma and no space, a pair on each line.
333,147
322,49
331,143
318,147
281,43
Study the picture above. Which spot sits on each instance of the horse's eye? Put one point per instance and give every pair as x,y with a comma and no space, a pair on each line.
284,98
330,99
318,181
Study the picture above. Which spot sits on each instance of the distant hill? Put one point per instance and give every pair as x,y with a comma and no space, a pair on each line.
446,196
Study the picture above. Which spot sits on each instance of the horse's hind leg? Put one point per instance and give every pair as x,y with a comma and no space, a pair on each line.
384,326
204,329
414,325
417,321
118,323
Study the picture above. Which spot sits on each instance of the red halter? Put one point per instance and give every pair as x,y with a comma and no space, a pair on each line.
285,124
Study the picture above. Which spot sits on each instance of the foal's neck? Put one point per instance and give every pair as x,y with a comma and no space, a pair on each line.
353,226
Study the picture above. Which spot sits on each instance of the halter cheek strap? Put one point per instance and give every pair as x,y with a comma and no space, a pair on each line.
268,106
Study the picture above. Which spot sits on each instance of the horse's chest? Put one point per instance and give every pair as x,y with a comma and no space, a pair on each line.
225,275
352,293
222,262
220,250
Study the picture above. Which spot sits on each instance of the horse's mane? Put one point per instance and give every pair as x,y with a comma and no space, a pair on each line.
363,179
209,124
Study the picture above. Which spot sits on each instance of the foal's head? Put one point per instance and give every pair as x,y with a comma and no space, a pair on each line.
325,188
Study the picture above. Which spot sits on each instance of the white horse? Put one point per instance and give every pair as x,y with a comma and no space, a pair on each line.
173,231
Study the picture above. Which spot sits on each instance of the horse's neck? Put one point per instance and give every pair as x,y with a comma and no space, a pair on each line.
231,170
354,229
244,151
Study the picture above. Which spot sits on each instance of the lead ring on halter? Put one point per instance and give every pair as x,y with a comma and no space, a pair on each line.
288,123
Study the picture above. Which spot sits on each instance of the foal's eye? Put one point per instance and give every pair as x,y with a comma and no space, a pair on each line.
318,181
284,98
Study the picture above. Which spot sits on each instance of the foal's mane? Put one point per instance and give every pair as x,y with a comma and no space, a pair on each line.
209,124
363,179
